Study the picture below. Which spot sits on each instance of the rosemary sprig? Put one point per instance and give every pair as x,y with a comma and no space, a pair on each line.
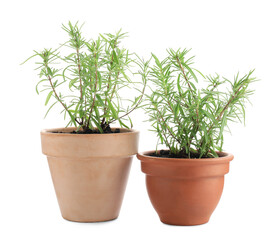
190,121
95,71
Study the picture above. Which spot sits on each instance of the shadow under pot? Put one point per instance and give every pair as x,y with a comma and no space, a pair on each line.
184,191
89,171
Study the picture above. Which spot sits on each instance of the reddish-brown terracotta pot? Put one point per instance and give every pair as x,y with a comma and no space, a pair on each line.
89,171
184,191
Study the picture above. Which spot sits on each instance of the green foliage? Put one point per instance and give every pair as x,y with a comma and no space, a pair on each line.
188,120
94,71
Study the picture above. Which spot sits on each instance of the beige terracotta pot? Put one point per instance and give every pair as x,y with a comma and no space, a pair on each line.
184,191
89,171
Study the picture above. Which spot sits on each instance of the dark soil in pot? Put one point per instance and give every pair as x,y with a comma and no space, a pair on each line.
94,131
168,154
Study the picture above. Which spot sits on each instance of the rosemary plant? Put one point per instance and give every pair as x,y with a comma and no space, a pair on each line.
188,120
94,71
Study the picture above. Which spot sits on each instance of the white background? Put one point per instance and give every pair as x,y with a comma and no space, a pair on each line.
226,37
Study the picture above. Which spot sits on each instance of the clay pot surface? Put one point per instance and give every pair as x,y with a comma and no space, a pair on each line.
89,171
184,191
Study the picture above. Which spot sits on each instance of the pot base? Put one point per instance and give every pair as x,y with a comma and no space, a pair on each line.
90,221
186,222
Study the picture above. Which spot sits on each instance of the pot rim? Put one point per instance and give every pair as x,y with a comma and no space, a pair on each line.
51,131
225,157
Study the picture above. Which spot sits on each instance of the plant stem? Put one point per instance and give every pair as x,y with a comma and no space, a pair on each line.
167,127
222,112
94,99
183,72
54,90
115,85
197,120
136,105
79,70
164,134
108,86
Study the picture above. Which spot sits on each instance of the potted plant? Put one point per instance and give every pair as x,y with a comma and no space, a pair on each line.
185,181
90,161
